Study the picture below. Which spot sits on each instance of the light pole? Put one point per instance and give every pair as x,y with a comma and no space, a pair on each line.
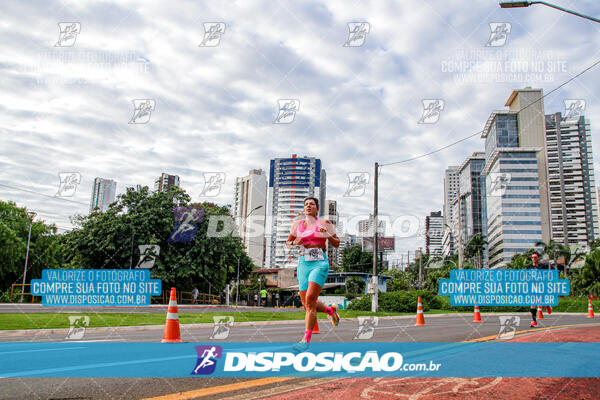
237,289
375,298
31,215
519,4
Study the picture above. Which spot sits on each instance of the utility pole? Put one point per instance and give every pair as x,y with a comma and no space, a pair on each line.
31,215
460,236
237,288
420,267
375,298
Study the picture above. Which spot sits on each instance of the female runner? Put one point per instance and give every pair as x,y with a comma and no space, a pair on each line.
311,233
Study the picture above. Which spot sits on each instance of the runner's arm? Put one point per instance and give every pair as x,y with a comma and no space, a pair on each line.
291,238
327,231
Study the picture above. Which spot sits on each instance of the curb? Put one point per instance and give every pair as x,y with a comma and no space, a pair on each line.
38,332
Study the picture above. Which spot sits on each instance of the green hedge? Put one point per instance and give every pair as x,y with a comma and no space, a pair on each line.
399,301
406,302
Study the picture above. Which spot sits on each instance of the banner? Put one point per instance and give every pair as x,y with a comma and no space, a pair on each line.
330,359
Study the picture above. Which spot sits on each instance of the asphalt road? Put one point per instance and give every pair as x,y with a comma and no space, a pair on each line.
452,328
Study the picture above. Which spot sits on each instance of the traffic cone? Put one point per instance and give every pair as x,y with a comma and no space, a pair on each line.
171,333
540,314
420,317
316,327
477,317
590,309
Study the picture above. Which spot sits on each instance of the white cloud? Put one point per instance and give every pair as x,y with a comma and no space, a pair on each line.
215,106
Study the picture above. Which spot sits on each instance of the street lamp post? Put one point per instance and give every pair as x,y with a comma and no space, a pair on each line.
519,4
31,217
237,289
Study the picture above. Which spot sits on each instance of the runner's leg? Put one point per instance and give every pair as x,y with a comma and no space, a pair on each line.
310,304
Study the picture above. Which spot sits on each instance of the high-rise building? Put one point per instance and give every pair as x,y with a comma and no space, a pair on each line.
516,178
472,218
529,105
451,182
365,227
103,193
346,240
291,180
598,200
165,182
434,233
330,213
249,210
573,198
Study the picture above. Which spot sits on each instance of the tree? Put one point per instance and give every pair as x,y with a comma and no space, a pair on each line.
571,256
356,260
110,240
587,281
400,281
552,249
594,244
520,261
474,249
45,248
355,285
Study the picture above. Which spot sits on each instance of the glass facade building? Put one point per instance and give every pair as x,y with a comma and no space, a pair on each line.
471,197
513,205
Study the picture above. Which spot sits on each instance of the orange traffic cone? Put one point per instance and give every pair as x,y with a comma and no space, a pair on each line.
477,317
316,327
420,317
171,333
590,309
540,314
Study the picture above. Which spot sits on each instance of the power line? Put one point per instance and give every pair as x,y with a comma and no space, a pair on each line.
42,194
477,133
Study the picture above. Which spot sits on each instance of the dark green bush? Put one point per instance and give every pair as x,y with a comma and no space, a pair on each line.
399,301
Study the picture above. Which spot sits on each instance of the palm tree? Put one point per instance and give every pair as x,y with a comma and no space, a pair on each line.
594,244
571,256
474,249
551,249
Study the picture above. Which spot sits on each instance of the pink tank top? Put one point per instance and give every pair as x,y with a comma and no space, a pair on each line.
309,235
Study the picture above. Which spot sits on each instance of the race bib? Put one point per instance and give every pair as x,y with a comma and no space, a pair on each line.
313,254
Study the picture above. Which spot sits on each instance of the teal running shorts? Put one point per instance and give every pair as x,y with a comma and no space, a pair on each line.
312,271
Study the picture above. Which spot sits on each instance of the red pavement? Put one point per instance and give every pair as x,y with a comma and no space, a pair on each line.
466,388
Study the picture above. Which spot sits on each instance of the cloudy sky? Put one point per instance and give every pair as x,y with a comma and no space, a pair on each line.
68,101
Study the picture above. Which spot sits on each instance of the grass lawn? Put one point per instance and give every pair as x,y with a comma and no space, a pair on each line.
61,320
100,319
